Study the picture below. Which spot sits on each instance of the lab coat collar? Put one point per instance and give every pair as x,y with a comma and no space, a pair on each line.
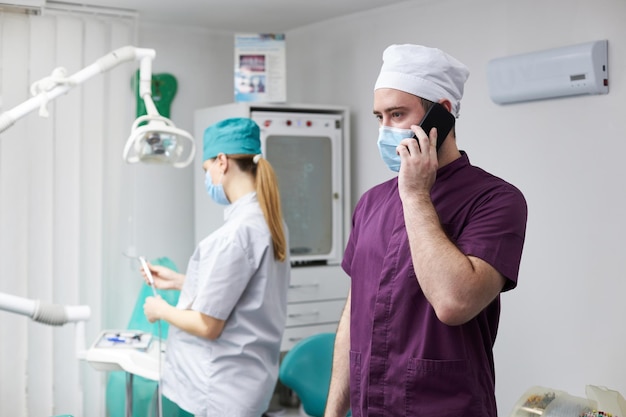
233,209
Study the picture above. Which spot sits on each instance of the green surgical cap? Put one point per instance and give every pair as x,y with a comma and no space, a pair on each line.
238,135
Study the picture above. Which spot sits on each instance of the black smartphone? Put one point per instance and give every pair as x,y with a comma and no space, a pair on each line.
439,117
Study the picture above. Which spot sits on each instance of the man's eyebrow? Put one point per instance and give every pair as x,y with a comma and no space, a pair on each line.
391,109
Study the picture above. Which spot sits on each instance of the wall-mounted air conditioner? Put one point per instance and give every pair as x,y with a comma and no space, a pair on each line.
567,71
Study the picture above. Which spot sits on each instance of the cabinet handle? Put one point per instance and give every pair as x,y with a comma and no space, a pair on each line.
309,313
296,286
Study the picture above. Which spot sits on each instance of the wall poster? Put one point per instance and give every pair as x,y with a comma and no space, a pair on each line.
260,68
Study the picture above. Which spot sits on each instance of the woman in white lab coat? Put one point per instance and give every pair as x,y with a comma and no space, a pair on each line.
224,343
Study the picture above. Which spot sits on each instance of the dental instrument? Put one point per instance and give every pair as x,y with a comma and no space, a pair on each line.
146,270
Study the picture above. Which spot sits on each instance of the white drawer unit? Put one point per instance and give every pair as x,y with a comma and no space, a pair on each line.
315,301
303,314
293,335
311,283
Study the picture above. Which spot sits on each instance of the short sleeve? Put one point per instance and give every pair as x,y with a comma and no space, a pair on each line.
495,233
226,273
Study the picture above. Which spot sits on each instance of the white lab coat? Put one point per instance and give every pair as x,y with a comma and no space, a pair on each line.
232,276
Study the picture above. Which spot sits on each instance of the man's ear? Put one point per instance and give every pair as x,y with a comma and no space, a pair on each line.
446,103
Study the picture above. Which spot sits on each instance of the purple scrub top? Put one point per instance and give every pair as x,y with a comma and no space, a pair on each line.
403,360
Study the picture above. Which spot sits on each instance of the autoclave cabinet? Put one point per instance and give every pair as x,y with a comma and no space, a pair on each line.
308,146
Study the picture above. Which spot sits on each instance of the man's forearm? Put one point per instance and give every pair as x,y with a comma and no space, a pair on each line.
338,402
456,285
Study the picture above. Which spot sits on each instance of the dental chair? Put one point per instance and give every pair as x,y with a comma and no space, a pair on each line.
144,390
306,369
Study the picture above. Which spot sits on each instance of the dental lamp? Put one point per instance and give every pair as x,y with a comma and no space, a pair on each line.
153,138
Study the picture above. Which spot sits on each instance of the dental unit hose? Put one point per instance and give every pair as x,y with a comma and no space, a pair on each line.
146,270
47,313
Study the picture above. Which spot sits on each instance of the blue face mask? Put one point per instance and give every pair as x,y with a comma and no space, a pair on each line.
388,140
216,192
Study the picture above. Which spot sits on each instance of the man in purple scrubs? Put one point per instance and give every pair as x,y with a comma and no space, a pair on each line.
429,254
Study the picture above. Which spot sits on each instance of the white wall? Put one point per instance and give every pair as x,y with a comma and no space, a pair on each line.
563,326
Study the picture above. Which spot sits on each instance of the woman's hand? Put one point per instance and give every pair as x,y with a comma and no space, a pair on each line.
155,308
164,278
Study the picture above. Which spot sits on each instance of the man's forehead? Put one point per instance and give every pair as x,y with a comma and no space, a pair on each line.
388,99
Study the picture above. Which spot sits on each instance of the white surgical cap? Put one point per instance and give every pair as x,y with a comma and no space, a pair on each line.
424,72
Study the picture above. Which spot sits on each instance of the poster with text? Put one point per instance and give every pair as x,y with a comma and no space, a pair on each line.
260,68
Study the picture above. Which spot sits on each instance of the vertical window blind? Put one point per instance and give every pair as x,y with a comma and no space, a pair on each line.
63,193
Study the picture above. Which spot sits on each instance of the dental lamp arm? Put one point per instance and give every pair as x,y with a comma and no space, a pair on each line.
55,89
51,314
145,87
155,125
46,313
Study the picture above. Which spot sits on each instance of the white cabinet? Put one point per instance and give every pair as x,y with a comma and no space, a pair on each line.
316,297
314,182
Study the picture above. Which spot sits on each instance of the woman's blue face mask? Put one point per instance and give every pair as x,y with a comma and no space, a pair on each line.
388,140
216,191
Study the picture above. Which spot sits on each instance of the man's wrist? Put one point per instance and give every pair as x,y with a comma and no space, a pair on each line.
416,199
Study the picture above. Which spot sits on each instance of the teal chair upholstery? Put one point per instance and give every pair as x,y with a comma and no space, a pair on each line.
306,370
144,390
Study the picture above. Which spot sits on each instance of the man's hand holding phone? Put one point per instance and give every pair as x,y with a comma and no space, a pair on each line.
418,163
438,117
418,167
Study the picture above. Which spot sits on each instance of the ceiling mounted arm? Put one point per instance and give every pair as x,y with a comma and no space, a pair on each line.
157,141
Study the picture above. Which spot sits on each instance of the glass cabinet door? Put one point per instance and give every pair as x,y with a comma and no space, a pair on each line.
303,165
